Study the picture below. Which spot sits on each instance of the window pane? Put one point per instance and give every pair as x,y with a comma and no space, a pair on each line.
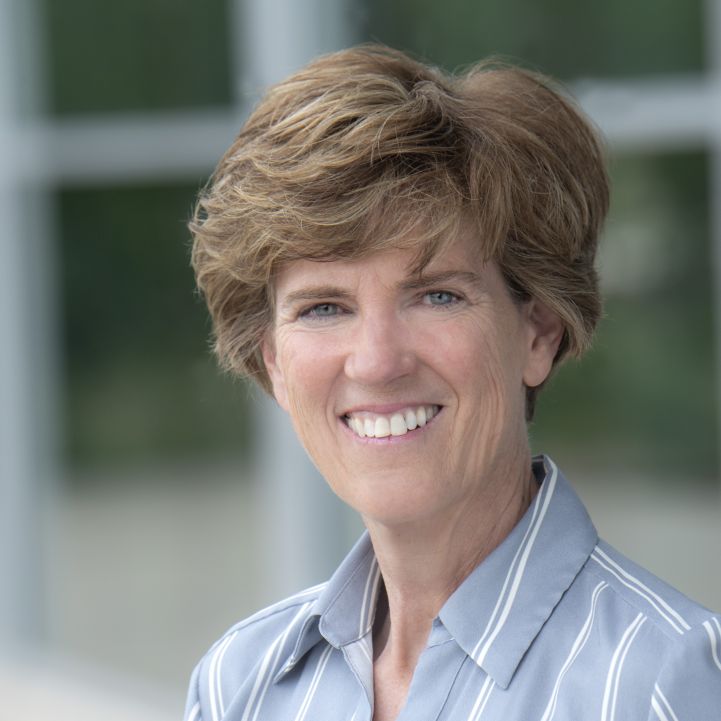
136,54
566,38
141,383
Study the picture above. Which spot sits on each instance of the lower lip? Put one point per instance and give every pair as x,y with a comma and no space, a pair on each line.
391,440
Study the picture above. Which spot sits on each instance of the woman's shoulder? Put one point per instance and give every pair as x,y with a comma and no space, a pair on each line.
273,617
664,607
255,640
667,645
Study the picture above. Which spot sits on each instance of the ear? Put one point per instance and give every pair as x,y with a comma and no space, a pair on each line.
277,379
545,331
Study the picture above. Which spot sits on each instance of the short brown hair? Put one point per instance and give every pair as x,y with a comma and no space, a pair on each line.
367,149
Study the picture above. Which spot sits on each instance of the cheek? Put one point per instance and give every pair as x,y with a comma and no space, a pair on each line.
307,368
479,357
486,372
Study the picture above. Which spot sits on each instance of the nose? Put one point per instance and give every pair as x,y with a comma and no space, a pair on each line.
381,350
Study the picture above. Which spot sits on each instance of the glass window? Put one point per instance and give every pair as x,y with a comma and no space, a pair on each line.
644,400
566,38
137,55
157,470
141,383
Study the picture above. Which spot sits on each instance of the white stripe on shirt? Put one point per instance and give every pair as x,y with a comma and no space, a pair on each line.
714,644
664,704
507,579
531,534
262,680
214,681
365,645
637,587
194,713
610,694
578,644
482,699
656,706
369,595
323,661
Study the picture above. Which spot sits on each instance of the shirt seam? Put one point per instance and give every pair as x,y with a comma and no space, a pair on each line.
455,679
659,624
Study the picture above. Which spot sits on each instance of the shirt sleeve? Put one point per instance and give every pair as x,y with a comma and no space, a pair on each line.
689,685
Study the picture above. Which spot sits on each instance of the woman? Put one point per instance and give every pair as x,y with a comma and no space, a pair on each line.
401,258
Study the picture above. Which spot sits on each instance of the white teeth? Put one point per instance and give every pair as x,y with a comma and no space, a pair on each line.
411,421
398,425
358,426
382,427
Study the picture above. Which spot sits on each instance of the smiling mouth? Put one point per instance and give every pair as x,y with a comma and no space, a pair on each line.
382,425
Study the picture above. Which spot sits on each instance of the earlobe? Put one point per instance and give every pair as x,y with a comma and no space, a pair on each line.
545,333
274,373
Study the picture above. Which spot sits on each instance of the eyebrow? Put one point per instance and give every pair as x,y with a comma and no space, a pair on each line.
422,280
321,292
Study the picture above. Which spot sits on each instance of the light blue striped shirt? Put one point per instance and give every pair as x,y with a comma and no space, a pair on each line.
554,624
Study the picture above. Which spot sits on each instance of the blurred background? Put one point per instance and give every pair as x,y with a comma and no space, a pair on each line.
144,496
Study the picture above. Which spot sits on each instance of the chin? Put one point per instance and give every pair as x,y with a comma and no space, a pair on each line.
394,507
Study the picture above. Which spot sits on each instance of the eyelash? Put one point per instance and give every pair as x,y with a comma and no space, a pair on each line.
313,313
453,298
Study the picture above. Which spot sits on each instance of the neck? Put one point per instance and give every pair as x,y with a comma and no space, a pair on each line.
424,562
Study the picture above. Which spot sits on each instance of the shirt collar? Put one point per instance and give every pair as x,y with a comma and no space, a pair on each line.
345,609
497,612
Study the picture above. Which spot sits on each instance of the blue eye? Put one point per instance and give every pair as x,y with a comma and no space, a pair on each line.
321,310
441,297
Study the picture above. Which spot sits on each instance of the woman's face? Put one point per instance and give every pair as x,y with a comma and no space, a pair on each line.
407,390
